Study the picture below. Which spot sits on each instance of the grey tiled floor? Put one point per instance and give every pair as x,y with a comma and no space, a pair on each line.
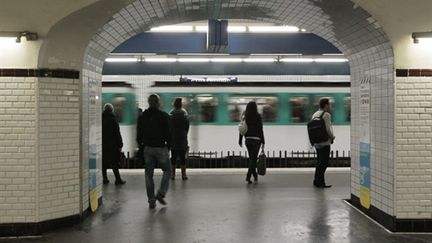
282,207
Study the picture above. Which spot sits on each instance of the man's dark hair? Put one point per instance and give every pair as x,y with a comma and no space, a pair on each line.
178,103
323,103
153,101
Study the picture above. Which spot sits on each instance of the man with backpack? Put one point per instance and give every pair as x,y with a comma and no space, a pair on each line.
154,133
321,137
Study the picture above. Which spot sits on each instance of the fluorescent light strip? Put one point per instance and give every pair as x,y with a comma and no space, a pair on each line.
297,60
275,54
7,38
193,60
201,28
333,54
237,29
203,54
160,59
226,60
273,29
119,59
330,60
173,28
259,60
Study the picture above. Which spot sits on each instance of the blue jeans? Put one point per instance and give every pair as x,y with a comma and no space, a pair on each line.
153,155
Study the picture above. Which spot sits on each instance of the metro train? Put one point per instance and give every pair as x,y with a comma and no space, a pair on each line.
122,96
215,110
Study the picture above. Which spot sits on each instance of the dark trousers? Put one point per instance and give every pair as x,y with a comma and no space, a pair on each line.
323,155
115,169
178,154
253,147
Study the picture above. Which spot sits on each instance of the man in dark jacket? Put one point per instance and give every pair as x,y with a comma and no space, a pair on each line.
180,129
154,134
111,144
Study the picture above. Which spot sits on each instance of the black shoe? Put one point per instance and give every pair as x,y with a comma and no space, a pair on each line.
323,186
249,181
105,182
161,199
120,182
184,178
256,179
152,204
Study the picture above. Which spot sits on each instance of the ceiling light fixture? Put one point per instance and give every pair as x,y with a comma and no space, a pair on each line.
121,59
330,60
173,28
333,54
193,60
260,60
296,60
160,59
201,28
226,60
30,36
273,29
421,35
237,29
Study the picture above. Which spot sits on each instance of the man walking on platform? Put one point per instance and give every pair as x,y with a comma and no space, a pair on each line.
153,133
323,148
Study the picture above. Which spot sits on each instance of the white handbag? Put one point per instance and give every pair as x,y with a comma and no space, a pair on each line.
243,128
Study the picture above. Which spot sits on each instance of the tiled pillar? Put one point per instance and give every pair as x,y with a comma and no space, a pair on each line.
40,150
413,180
59,147
18,149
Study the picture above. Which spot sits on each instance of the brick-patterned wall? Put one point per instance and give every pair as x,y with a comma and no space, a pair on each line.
18,153
414,147
59,146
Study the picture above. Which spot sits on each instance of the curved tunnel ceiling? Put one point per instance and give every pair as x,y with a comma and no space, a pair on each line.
238,43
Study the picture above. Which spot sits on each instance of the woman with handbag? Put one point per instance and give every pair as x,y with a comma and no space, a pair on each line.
251,127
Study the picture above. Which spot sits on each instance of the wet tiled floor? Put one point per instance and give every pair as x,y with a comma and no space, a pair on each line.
282,207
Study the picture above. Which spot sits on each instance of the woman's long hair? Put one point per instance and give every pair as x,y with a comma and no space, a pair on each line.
251,113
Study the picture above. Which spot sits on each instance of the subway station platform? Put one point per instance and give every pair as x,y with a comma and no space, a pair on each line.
218,206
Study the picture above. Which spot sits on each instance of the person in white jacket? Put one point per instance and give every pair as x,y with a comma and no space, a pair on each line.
323,148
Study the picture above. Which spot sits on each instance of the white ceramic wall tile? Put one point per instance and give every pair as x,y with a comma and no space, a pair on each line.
413,140
18,150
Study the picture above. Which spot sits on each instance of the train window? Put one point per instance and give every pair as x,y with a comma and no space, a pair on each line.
267,106
207,108
236,107
299,109
119,103
347,101
186,103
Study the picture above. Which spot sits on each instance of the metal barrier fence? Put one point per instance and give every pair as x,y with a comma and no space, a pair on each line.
239,159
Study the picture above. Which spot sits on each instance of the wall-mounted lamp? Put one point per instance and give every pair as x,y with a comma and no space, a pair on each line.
419,35
30,36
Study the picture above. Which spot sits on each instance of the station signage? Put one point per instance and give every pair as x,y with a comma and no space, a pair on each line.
209,80
365,145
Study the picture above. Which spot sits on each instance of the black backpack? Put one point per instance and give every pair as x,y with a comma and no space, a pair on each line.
317,130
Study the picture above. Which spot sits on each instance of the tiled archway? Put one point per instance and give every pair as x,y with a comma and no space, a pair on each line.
344,24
